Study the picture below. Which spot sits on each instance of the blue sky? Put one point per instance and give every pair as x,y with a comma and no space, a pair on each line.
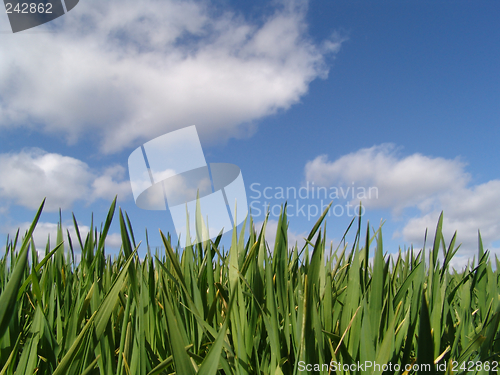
403,96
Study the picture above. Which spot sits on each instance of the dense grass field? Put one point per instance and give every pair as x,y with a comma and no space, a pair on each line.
246,310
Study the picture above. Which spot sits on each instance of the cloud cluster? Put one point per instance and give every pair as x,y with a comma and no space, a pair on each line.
46,233
401,182
294,238
429,184
31,175
126,71
271,230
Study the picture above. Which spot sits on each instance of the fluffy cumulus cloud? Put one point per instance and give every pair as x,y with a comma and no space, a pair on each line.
127,71
400,181
467,210
31,175
428,184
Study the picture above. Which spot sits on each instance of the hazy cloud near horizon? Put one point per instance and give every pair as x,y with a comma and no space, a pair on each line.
428,184
33,174
46,233
124,71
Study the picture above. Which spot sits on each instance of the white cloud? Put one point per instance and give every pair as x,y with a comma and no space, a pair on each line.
127,71
47,232
113,181
401,182
31,175
270,235
114,240
466,210
429,184
292,236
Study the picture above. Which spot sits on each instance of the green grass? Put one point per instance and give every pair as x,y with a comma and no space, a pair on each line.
245,310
